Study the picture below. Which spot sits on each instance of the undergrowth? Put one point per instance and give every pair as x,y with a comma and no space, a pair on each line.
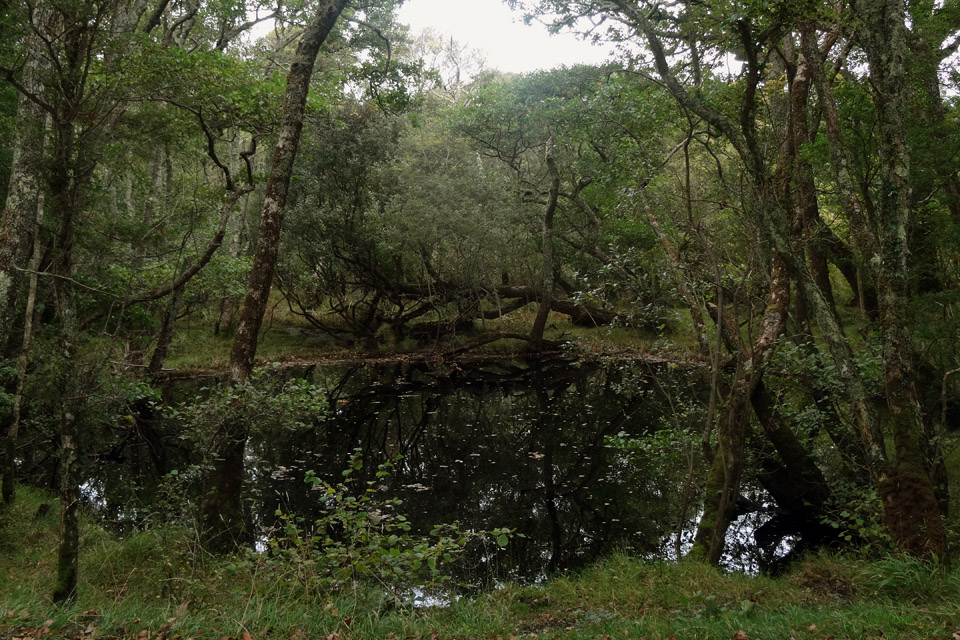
159,584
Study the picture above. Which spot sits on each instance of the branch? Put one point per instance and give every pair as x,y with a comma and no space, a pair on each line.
943,397
8,74
229,34
187,274
66,279
380,35
154,20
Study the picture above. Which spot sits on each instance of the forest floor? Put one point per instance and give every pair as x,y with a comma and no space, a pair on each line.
155,585
197,351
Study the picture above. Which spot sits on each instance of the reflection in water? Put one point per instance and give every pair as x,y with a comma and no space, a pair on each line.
583,458
543,447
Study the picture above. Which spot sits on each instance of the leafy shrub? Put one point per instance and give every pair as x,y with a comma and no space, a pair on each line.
363,539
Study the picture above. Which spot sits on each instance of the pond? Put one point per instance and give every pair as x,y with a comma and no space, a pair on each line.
582,458
546,447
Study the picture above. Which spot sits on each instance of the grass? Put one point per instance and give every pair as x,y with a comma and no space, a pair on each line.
156,584
286,336
196,347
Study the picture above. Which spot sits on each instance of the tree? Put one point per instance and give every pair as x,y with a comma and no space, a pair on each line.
679,41
74,75
221,519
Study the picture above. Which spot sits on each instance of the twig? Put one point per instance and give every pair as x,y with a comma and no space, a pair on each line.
68,279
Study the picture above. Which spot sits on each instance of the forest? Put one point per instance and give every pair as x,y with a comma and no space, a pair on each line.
286,284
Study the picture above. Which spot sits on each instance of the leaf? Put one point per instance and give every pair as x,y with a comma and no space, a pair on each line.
502,540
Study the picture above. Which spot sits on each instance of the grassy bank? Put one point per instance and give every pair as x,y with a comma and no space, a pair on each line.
157,585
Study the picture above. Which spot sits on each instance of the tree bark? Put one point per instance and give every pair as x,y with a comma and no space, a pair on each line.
222,521
165,335
546,296
64,185
840,161
910,508
20,209
723,482
807,210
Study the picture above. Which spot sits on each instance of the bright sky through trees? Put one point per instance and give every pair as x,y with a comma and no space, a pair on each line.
491,27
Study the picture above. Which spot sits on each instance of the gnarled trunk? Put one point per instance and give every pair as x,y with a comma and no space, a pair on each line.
546,296
723,482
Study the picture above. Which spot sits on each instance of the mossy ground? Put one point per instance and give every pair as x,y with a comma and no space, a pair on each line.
197,348
156,584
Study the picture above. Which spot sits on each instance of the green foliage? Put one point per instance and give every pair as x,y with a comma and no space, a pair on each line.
156,583
856,517
262,402
8,373
227,90
363,538
8,110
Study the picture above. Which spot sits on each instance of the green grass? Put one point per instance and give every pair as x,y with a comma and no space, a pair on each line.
196,349
158,584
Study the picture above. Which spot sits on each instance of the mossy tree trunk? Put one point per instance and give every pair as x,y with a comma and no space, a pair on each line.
222,519
723,481
64,183
546,295
910,508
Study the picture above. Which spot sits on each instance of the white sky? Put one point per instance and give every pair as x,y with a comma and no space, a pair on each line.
490,26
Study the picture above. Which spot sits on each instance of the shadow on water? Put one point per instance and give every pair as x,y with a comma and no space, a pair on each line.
546,447
582,458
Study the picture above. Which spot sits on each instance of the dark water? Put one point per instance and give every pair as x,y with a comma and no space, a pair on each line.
582,458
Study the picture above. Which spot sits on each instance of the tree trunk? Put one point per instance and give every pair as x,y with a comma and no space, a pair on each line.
64,190
546,296
68,553
222,521
229,303
20,209
807,210
165,336
910,508
723,482
839,159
